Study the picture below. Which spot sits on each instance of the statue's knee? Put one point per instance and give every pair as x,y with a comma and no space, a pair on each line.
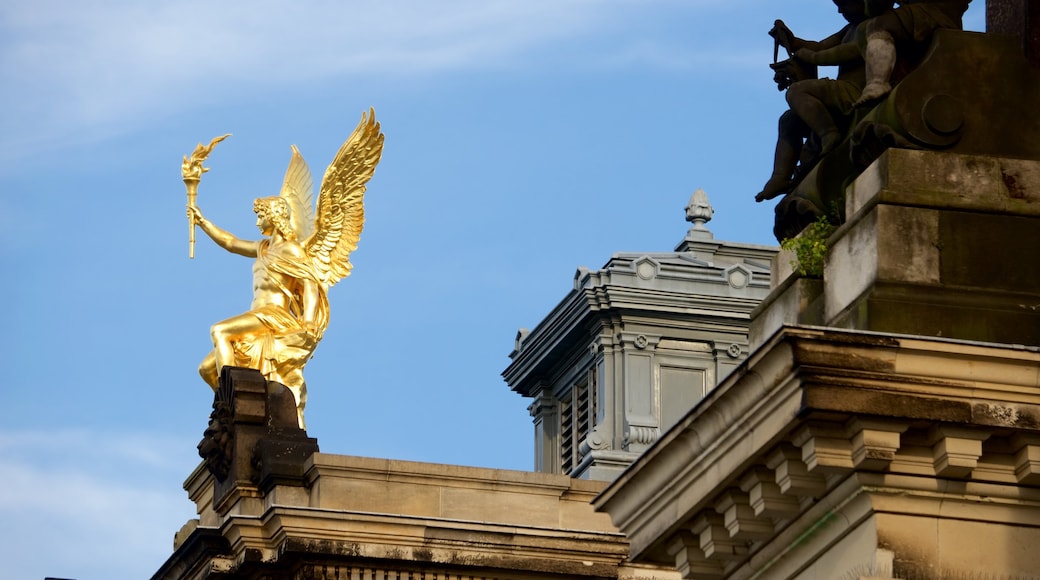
791,124
218,332
792,96
804,91
208,371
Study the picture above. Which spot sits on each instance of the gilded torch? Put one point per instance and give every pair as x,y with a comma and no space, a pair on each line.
191,172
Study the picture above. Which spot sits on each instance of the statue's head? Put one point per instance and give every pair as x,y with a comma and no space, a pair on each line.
277,211
854,11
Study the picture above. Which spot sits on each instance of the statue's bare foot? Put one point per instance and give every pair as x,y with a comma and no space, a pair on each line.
774,187
873,91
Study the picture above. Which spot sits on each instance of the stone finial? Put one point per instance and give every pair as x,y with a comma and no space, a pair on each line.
699,210
699,239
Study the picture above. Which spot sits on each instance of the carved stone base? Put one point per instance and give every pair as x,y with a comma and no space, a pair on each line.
253,441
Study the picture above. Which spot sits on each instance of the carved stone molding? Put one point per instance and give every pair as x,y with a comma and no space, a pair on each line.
641,435
253,438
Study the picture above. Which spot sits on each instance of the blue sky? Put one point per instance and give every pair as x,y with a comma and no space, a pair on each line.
523,139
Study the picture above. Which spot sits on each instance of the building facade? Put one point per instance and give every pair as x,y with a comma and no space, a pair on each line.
634,346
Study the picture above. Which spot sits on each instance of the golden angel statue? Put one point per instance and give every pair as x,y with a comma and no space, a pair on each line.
306,249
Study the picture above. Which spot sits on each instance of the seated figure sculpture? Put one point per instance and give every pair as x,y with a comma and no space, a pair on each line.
819,108
290,308
303,254
945,90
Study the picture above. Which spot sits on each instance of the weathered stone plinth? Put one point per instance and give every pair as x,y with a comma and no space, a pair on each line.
797,300
938,244
253,442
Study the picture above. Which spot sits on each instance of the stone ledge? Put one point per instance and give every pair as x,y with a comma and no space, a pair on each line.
366,513
863,404
947,181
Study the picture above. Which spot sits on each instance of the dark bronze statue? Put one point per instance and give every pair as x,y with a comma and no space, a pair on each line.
924,84
820,109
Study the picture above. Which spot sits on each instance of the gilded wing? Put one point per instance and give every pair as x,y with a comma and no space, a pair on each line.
298,191
341,201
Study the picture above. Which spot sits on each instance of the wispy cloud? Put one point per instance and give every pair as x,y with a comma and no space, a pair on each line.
83,68
108,504
82,446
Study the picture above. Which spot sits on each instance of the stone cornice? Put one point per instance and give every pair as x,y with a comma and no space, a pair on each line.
814,406
362,513
580,310
329,466
727,284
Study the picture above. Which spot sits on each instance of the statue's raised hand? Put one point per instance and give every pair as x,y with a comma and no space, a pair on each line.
783,35
806,55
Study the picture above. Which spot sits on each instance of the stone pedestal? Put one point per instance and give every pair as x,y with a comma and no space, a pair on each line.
796,301
938,244
253,441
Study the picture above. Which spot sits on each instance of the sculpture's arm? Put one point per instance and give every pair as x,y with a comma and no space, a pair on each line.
838,55
833,56
223,238
792,43
309,299
819,45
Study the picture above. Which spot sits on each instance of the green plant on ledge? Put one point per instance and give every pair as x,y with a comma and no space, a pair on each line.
810,248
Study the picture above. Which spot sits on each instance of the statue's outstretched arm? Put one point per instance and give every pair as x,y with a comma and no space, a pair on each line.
834,56
838,55
818,45
223,238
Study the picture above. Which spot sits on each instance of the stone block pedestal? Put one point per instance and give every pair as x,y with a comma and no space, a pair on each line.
940,245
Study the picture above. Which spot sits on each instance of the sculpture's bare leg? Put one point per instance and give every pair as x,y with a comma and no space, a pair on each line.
790,135
880,61
226,331
208,370
803,98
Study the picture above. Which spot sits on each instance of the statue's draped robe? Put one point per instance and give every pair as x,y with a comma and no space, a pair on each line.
281,352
